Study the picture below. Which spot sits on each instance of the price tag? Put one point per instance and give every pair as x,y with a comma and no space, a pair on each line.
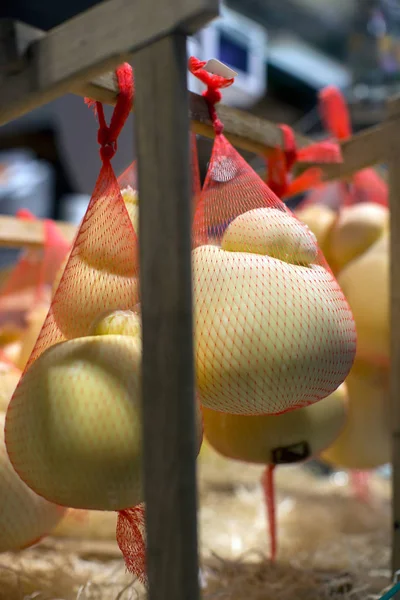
216,67
291,454
223,169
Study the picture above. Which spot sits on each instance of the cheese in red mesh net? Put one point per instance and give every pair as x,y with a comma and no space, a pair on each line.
73,428
366,185
346,216
128,184
273,331
282,159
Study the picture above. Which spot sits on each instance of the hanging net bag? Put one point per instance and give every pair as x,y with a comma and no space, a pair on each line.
281,161
73,428
273,331
346,216
366,185
128,184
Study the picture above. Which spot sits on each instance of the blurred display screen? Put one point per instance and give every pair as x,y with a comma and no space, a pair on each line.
232,53
374,49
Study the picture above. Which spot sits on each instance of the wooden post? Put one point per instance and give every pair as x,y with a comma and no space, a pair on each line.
394,187
162,135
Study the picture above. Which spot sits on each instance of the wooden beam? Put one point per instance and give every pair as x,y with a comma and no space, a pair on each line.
361,150
162,134
90,44
364,149
244,130
59,63
17,233
393,148
251,133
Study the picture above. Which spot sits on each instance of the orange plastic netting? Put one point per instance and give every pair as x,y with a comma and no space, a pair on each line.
273,331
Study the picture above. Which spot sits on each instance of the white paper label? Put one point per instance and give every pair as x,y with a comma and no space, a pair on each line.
216,67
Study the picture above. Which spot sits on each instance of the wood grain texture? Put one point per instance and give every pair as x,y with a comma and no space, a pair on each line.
251,133
393,149
162,135
244,130
62,62
364,149
15,37
16,233
92,43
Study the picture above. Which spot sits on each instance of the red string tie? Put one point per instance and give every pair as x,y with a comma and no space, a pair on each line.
107,135
212,94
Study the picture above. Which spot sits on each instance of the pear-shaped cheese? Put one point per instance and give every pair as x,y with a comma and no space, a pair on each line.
87,293
74,428
320,219
358,227
269,336
98,281
25,517
271,232
118,322
364,443
277,439
366,284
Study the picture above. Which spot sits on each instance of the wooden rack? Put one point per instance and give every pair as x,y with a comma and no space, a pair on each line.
74,57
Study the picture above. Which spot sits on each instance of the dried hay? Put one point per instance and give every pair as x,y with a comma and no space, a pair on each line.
330,545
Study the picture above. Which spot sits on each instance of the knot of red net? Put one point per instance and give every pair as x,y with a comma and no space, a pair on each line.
334,112
131,540
212,94
108,134
281,161
289,145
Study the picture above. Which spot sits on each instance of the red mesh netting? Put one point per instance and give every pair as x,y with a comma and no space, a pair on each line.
347,216
273,331
364,186
281,161
130,535
128,179
73,427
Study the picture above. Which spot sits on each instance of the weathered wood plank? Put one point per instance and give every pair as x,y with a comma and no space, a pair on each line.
249,132
364,149
393,148
90,44
162,134
16,233
58,65
244,130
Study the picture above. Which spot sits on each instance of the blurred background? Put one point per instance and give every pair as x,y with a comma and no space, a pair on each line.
49,159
